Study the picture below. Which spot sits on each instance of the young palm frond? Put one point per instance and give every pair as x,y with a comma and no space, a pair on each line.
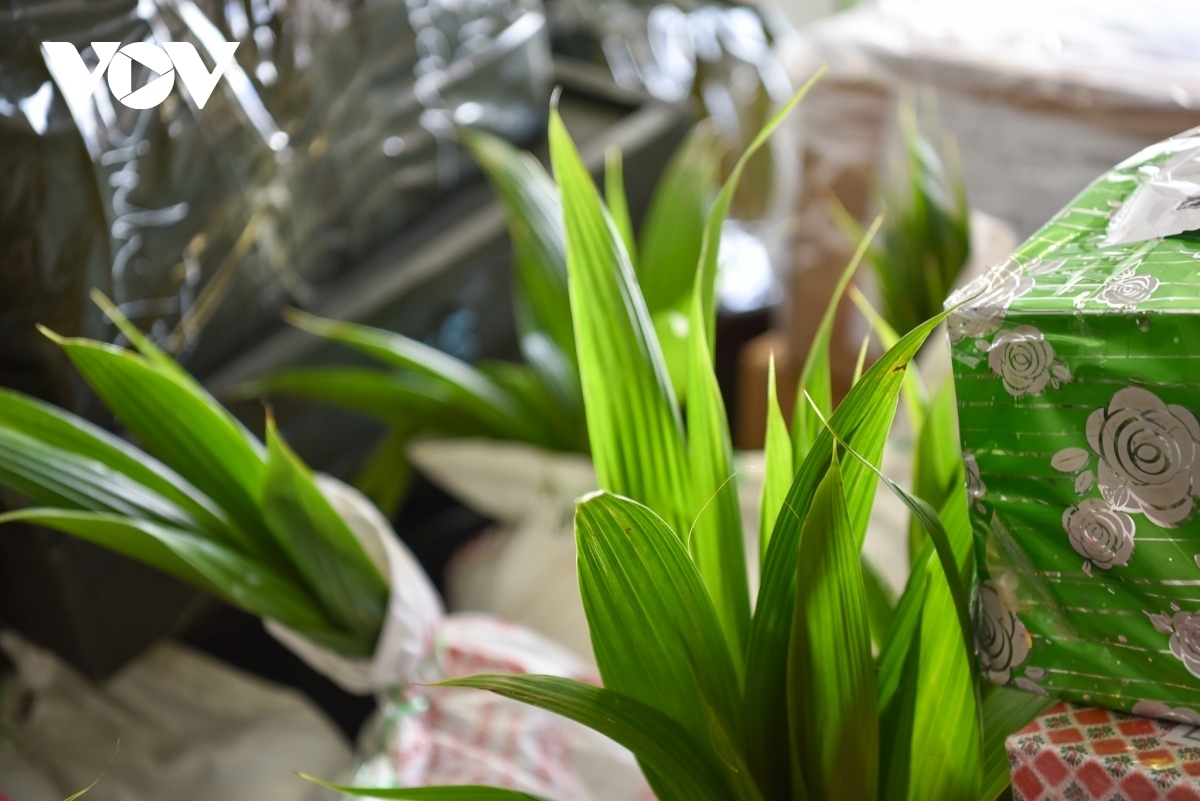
205,501
789,701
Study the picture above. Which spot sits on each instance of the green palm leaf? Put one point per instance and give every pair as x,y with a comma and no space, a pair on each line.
632,418
863,418
386,396
673,229
209,565
618,204
56,428
654,629
52,476
777,454
465,387
318,542
715,539
710,244
816,379
831,686
183,426
534,212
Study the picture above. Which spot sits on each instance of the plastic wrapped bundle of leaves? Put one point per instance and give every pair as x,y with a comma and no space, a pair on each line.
247,522
205,502
719,700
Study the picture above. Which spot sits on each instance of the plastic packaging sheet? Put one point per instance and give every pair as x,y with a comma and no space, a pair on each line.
173,724
329,131
1078,399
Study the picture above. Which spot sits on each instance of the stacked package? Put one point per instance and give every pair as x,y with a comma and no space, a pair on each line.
1081,754
1076,372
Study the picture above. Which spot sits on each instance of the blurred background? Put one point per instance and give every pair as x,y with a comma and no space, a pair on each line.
326,173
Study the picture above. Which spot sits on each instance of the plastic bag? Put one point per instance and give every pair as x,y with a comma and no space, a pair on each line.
331,130
1168,201
19,781
172,724
429,735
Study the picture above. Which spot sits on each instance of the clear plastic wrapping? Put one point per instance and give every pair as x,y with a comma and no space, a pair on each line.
331,130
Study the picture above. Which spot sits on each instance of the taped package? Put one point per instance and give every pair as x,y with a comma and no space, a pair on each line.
1075,370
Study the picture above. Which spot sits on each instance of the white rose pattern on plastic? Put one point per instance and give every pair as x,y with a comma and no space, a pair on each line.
988,298
1000,637
1184,628
1157,709
1129,291
1025,361
1149,456
1100,534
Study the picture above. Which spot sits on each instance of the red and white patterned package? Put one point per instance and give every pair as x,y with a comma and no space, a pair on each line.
1075,753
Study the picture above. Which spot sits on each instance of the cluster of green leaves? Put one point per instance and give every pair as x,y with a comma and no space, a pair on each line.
540,401
788,699
926,237
205,501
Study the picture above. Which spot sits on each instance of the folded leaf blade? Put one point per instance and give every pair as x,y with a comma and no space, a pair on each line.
184,427
466,386
831,688
715,537
655,633
633,421
211,566
534,212
323,549
777,455
863,418
55,428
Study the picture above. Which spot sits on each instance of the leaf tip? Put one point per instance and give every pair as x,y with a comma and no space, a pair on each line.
101,300
293,316
57,339
589,497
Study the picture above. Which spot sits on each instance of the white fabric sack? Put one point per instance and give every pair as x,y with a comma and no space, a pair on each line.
190,728
433,736
523,569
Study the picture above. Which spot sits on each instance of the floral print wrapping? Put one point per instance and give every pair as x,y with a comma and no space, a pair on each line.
1077,374
1075,753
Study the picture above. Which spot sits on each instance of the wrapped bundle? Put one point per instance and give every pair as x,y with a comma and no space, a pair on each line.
248,522
1074,367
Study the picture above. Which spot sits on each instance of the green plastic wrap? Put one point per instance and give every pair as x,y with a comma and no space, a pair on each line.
1077,371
